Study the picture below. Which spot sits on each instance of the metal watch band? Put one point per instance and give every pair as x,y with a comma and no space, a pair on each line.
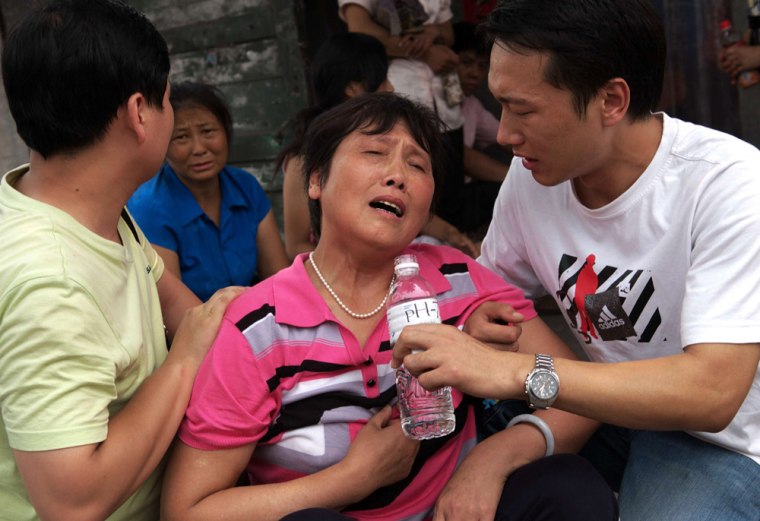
544,362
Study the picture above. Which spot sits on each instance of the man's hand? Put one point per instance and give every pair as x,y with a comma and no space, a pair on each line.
451,357
738,58
200,324
441,59
496,324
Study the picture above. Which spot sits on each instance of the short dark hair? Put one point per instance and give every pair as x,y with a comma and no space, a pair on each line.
589,43
69,65
467,37
192,94
372,113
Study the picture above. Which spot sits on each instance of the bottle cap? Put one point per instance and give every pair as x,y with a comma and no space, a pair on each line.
405,261
725,24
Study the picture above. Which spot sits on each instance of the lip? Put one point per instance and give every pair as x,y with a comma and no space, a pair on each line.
200,167
395,201
528,162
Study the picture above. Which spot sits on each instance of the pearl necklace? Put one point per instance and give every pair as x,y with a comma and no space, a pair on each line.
340,302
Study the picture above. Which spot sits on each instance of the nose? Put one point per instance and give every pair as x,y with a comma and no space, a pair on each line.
508,133
396,171
199,148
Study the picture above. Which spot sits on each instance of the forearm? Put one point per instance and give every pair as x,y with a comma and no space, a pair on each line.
335,488
272,256
523,443
359,20
483,167
91,482
176,299
701,389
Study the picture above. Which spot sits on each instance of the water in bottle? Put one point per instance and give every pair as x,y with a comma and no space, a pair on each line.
424,414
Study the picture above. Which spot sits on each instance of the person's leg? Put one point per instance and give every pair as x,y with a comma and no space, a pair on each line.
674,476
563,487
315,514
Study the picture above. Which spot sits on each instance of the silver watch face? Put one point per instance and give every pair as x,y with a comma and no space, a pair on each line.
544,386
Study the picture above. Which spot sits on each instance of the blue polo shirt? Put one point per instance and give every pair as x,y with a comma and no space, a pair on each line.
210,257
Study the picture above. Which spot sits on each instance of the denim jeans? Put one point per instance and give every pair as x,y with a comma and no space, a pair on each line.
662,476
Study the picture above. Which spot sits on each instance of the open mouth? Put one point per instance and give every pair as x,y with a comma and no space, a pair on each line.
388,207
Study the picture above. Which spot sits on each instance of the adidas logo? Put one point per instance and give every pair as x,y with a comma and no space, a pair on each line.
607,320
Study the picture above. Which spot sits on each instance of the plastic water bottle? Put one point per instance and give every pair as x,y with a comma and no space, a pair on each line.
424,414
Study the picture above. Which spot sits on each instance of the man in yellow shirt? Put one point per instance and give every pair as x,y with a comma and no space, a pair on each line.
90,398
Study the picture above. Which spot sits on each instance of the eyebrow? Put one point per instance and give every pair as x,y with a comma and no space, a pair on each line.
383,138
513,101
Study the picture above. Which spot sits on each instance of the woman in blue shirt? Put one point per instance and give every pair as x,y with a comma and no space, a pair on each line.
211,223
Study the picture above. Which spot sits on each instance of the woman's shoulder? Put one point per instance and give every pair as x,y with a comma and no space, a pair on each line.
243,179
153,196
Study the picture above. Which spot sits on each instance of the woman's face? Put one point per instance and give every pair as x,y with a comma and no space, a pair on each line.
379,189
198,148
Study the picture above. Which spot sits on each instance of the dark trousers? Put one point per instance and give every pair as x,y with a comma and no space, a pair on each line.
563,487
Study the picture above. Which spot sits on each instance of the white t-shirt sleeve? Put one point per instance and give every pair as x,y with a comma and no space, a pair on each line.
722,283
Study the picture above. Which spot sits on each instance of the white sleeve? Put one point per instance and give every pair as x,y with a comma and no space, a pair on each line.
722,294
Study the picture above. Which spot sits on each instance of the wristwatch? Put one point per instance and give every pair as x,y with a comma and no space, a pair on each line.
542,383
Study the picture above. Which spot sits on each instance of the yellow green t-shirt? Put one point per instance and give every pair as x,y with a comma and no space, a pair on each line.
80,330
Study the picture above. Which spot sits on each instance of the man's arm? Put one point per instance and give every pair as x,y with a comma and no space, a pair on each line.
474,490
413,45
483,167
91,481
700,389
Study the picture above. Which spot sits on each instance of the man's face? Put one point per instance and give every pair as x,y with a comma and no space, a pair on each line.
472,69
539,120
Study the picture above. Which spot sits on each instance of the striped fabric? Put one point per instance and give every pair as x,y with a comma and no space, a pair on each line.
285,374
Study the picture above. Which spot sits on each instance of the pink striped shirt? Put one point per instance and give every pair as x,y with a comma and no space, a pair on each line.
284,373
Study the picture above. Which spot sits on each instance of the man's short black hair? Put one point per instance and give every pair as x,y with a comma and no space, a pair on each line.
589,43
69,65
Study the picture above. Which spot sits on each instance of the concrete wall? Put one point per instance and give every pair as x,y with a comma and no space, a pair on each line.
13,152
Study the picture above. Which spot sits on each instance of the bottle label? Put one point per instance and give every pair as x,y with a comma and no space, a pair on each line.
421,311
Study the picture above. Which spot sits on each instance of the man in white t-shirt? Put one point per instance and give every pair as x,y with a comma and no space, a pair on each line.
645,230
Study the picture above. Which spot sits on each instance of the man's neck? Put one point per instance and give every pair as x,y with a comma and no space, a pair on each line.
84,185
632,149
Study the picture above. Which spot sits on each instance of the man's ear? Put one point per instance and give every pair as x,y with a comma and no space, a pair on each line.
135,112
616,97
315,188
